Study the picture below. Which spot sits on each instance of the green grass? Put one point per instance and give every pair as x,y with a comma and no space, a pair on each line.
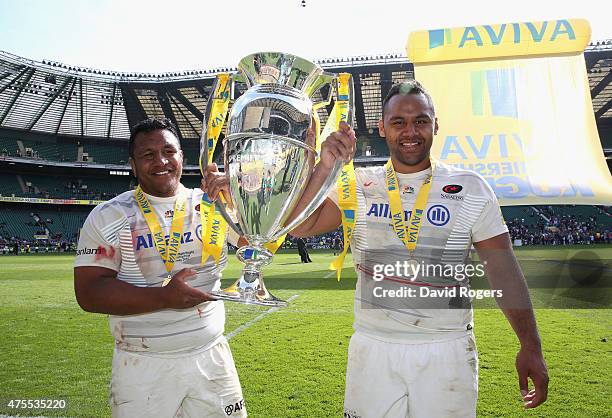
291,363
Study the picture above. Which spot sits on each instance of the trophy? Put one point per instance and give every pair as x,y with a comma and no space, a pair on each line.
269,157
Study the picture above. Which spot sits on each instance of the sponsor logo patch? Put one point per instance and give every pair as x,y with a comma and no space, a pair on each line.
452,188
234,407
438,215
87,251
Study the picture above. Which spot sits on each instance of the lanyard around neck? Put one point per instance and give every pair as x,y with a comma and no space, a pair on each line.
167,249
409,234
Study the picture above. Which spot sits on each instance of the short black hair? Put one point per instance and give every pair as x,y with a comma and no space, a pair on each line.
404,88
150,125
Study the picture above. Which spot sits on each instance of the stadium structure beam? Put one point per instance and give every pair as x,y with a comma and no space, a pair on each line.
4,75
593,57
133,108
194,110
61,118
81,107
17,77
386,82
28,76
184,116
599,114
112,107
601,85
48,103
164,101
202,92
359,113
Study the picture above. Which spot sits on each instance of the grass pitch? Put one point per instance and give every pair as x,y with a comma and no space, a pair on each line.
291,362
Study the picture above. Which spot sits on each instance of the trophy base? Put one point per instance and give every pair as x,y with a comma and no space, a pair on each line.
249,289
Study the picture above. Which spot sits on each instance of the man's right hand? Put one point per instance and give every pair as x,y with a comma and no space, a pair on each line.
338,145
179,295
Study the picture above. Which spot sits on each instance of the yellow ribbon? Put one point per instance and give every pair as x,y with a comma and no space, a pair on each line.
167,249
347,187
408,234
214,226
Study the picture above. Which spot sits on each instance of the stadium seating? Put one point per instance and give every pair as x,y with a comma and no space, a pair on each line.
9,185
107,154
8,147
526,214
15,223
51,151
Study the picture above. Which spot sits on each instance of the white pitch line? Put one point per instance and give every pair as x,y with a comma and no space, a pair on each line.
330,274
255,320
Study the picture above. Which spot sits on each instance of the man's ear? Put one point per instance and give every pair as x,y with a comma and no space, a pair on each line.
133,165
435,126
381,128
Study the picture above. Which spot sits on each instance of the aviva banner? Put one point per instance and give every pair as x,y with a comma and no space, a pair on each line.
513,104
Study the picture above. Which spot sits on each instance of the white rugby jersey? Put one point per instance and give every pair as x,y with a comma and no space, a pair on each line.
461,209
116,236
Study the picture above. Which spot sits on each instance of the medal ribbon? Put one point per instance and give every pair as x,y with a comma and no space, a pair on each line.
408,234
214,226
347,187
167,249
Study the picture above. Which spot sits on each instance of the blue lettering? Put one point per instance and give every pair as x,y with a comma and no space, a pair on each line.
535,35
373,210
517,32
141,242
495,37
503,147
567,30
484,149
451,146
493,169
470,34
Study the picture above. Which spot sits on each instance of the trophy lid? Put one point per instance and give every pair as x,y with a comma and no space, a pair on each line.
285,69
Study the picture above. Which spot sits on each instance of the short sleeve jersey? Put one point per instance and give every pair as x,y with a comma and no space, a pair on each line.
461,209
116,236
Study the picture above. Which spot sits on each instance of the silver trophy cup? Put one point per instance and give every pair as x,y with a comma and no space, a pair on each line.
269,157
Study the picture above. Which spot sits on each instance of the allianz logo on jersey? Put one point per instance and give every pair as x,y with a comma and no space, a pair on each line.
146,241
437,215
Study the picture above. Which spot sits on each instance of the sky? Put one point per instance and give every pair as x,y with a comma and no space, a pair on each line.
159,36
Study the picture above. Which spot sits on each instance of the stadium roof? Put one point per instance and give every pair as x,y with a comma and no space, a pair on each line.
57,99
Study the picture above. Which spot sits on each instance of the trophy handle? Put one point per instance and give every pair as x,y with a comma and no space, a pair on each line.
324,79
204,149
315,202
333,176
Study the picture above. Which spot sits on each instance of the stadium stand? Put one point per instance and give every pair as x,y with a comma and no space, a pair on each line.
9,185
50,151
64,131
106,153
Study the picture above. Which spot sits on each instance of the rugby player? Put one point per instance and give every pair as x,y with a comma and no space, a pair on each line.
416,356
170,358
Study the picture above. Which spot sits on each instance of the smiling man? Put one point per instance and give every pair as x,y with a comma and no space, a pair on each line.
139,261
413,352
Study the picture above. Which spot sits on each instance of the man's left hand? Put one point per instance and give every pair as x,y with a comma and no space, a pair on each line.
215,182
530,364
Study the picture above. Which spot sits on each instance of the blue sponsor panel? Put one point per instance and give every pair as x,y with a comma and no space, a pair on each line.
146,241
438,215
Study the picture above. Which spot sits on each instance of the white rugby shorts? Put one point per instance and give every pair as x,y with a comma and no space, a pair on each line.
203,385
424,380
